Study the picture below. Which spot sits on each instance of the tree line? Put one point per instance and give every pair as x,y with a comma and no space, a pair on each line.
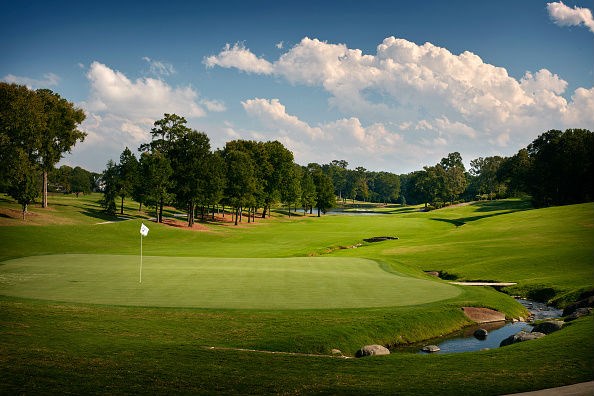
555,169
178,167
36,129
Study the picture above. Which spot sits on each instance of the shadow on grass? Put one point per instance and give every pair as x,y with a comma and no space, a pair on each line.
502,207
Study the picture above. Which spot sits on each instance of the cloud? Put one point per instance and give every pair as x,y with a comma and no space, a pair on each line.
239,57
48,80
462,99
159,68
563,15
121,111
343,138
273,114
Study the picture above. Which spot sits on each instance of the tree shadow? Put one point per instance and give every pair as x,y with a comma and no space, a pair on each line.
502,208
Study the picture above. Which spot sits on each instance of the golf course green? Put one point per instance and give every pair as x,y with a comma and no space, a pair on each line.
259,308
206,282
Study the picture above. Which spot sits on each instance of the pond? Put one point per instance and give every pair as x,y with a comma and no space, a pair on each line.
465,341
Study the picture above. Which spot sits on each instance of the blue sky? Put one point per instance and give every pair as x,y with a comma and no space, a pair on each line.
387,85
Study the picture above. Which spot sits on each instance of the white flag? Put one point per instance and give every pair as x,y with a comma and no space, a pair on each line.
144,230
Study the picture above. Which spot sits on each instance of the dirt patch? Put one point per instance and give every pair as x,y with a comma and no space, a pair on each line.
184,225
483,315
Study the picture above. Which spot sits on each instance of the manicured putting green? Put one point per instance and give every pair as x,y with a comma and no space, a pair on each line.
201,282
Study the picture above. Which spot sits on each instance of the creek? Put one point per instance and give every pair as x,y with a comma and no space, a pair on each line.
465,341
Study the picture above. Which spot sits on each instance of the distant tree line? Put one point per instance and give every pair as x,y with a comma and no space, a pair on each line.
555,169
36,129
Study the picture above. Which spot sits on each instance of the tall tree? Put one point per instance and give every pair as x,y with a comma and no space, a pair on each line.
562,167
308,190
23,181
291,193
155,180
241,181
80,181
127,176
109,181
59,133
190,155
21,118
455,178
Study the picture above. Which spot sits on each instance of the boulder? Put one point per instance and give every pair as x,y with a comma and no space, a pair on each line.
548,326
521,337
336,352
481,334
431,348
578,314
583,303
372,350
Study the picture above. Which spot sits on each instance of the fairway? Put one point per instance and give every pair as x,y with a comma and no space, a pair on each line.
224,283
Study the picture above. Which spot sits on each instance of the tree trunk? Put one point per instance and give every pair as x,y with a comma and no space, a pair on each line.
249,215
191,214
160,217
264,211
318,210
44,193
24,211
236,214
140,206
122,206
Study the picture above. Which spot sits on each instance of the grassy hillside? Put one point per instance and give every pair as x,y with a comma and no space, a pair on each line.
72,346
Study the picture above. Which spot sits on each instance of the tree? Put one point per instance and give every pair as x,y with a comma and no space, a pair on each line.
308,190
281,165
165,132
386,186
109,180
241,182
155,180
80,181
291,194
562,167
455,178
21,119
190,154
127,176
23,181
337,170
324,198
59,133
485,170
215,180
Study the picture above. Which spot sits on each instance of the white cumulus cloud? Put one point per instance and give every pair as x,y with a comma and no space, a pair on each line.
48,80
563,15
121,111
427,92
239,57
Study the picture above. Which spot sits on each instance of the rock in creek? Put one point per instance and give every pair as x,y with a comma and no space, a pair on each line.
372,350
481,334
431,348
548,326
521,337
578,314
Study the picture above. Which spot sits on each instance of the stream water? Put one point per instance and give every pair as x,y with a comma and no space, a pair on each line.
465,341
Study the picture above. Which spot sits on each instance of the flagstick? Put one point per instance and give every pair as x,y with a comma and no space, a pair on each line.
140,258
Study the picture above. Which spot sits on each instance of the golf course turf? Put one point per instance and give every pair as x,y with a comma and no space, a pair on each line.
206,282
75,319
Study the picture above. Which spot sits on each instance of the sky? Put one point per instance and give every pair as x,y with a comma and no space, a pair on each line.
386,85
